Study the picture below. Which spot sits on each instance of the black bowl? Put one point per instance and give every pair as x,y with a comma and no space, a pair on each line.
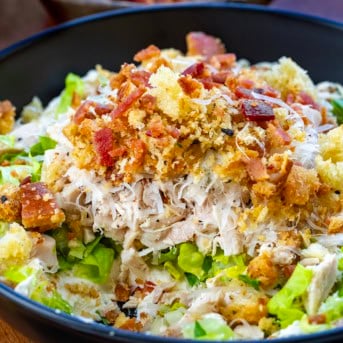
38,65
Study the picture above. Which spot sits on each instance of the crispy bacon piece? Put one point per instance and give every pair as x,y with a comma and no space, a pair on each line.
147,53
190,86
255,110
317,319
198,43
256,169
277,137
83,112
223,61
138,149
122,292
127,102
103,142
102,109
140,78
306,99
221,76
148,103
39,208
246,93
196,70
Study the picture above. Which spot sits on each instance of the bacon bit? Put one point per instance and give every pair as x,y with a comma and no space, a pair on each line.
246,93
246,83
208,83
306,99
155,129
111,316
127,102
317,319
255,110
268,91
103,142
223,61
138,149
102,109
242,92
290,99
26,180
198,43
147,53
149,286
131,324
277,137
140,78
190,86
122,292
124,74
288,270
256,169
118,152
83,112
222,76
196,70
37,212
174,132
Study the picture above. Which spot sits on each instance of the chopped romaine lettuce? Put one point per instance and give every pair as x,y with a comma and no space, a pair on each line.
50,299
190,260
338,110
170,255
175,272
44,143
282,304
18,274
73,84
332,307
7,140
210,327
97,265
3,228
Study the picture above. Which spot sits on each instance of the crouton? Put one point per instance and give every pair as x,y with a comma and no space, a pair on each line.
300,186
263,269
39,208
7,117
10,207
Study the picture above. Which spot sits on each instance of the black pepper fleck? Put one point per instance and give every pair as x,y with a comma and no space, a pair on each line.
3,199
228,132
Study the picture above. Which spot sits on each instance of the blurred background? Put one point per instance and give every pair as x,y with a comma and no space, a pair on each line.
21,18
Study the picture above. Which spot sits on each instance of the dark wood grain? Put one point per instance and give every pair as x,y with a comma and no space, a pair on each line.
8,335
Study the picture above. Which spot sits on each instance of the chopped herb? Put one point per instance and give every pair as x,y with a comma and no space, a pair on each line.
198,330
249,281
192,279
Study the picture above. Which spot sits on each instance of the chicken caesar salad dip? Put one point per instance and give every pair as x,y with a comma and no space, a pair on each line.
193,196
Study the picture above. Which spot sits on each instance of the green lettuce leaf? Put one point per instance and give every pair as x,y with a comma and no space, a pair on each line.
208,328
50,299
44,143
282,304
73,83
18,274
332,307
190,260
338,110
96,266
7,140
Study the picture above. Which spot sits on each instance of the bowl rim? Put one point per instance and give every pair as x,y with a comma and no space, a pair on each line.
83,326
23,43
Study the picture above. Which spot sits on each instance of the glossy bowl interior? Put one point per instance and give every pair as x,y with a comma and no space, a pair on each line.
38,65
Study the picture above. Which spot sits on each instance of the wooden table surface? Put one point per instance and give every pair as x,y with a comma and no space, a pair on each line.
22,18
